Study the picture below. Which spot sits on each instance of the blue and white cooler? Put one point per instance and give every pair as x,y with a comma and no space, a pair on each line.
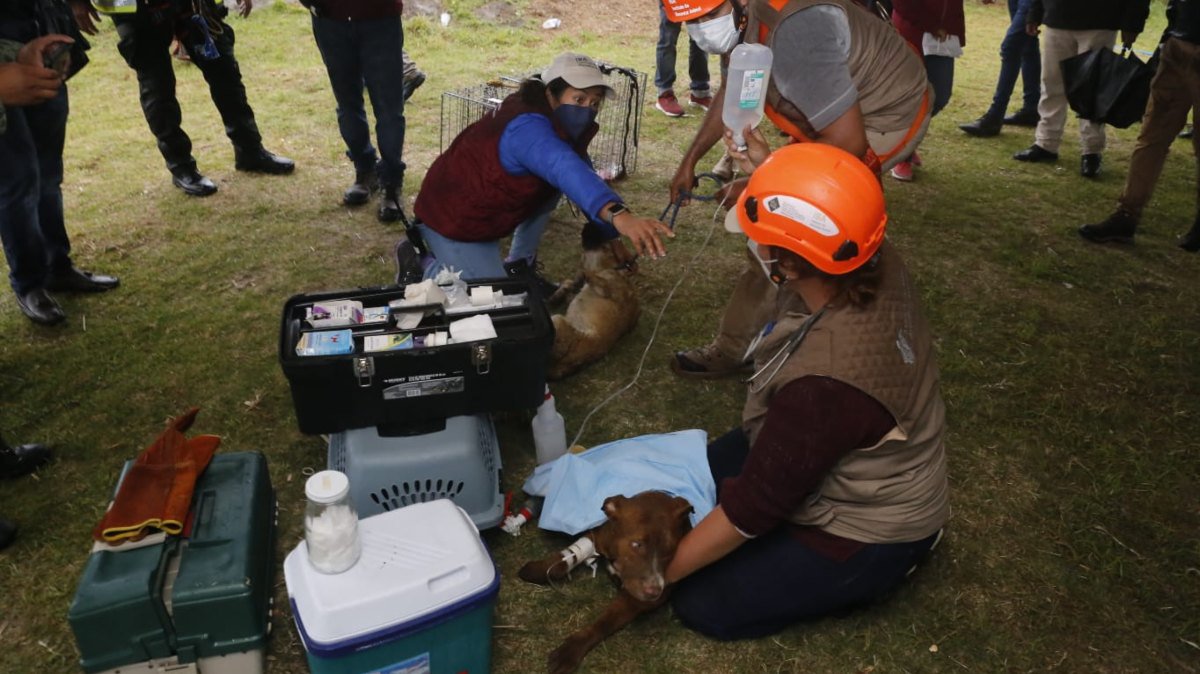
419,600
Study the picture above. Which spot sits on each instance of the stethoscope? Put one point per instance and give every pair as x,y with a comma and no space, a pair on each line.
789,347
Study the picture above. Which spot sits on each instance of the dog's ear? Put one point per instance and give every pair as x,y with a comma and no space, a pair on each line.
612,506
680,508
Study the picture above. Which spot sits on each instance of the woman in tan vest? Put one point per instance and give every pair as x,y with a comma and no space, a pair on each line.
834,487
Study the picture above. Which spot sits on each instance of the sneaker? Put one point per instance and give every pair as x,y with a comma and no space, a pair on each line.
903,171
706,362
408,263
668,105
916,160
700,101
1116,228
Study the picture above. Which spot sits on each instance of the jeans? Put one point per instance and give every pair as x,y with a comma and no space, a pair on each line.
940,70
773,581
145,41
31,207
370,52
1019,55
664,58
482,259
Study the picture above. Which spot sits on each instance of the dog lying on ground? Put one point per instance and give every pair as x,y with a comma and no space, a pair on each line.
638,541
605,308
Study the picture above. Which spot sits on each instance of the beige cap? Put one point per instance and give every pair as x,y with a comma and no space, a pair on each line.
578,70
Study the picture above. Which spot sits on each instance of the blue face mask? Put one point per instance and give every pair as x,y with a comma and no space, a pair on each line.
574,119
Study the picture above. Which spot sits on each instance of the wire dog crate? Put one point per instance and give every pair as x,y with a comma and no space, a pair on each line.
613,150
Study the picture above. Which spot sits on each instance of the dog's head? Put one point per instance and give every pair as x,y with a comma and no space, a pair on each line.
640,537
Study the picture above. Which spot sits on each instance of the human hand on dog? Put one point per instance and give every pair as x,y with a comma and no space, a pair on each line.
643,233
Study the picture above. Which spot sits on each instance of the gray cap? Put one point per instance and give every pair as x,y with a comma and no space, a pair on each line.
578,71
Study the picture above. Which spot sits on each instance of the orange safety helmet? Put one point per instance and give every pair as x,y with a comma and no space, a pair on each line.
679,11
818,201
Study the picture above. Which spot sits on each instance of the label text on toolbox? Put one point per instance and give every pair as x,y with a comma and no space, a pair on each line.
424,386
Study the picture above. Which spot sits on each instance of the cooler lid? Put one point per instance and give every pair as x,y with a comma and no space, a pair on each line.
415,561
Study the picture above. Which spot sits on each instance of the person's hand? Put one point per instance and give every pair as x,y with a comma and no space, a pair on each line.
33,53
22,84
244,7
730,191
1128,37
756,152
941,34
624,257
85,15
643,233
684,181
1031,28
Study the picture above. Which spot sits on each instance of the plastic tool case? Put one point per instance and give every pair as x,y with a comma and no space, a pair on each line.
361,389
197,603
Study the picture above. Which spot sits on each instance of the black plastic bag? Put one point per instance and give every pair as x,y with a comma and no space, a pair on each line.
1081,80
1105,87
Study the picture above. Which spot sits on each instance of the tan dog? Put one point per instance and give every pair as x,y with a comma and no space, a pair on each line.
638,541
604,310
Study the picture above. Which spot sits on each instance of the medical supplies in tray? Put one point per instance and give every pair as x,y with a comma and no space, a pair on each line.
439,351
199,602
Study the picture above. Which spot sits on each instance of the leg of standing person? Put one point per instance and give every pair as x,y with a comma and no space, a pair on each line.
701,89
381,44
1091,134
664,66
337,43
1019,57
1031,75
224,78
1174,91
144,40
940,71
413,76
1052,108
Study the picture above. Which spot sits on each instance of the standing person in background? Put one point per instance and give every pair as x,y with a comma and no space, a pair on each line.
1073,27
33,126
1019,55
146,29
664,70
1174,92
937,30
362,43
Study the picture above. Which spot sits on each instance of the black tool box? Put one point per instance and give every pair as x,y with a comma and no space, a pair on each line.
360,389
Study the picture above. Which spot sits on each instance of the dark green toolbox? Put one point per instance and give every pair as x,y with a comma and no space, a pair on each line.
199,602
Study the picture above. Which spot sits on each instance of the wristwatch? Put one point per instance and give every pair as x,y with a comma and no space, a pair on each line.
616,210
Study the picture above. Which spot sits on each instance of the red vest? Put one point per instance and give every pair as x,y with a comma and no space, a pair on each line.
468,196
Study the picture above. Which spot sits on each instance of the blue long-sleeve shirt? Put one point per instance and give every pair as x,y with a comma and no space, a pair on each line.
529,145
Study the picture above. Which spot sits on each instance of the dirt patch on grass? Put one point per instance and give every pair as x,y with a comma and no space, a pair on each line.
609,18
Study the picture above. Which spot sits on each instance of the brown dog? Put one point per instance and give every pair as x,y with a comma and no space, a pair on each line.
638,541
604,310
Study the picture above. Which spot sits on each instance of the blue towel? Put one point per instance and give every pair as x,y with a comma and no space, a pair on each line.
575,485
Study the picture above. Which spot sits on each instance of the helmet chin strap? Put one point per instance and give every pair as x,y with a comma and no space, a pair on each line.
777,276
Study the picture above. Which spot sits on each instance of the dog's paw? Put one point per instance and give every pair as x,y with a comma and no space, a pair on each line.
566,658
543,571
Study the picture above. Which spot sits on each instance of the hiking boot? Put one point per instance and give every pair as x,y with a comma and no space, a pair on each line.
522,267
389,205
411,84
700,101
1089,165
668,105
706,362
984,127
1191,241
1116,228
359,193
408,263
903,171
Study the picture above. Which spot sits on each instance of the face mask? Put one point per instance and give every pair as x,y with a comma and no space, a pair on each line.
574,119
716,36
766,265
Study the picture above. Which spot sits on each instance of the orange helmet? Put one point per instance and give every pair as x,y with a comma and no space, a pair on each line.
818,201
679,11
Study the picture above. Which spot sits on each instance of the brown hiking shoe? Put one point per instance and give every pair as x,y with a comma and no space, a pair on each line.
706,362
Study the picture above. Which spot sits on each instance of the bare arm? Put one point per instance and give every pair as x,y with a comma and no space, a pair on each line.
711,540
711,130
847,132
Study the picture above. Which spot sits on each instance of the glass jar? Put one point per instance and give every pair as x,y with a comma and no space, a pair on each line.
330,523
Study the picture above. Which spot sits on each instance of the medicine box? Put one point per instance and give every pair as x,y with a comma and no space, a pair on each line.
421,598
456,458
199,602
364,388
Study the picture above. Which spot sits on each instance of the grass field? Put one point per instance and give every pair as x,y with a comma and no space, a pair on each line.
1071,372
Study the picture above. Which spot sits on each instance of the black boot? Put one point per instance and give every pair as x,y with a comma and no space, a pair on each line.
984,127
1116,228
21,460
522,268
8,533
1191,241
365,184
389,205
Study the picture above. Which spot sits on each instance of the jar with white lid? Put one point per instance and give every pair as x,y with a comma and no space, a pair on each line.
330,523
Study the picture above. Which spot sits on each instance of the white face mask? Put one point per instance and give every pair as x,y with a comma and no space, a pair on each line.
764,264
715,36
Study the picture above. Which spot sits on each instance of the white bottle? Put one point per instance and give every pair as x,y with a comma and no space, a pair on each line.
549,431
746,88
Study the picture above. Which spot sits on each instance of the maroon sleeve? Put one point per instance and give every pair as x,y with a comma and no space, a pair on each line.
811,424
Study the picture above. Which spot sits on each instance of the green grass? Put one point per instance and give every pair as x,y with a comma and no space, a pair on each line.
1070,370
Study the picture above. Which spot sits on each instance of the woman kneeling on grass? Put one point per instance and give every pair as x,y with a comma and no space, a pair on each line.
504,175
834,488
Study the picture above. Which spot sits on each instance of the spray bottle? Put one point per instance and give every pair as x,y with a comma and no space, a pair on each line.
746,88
549,431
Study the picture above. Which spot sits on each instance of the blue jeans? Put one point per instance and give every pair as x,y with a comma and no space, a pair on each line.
31,206
482,259
773,581
664,58
370,52
1019,56
940,71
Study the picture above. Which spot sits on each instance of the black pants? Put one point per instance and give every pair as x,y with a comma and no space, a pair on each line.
145,41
